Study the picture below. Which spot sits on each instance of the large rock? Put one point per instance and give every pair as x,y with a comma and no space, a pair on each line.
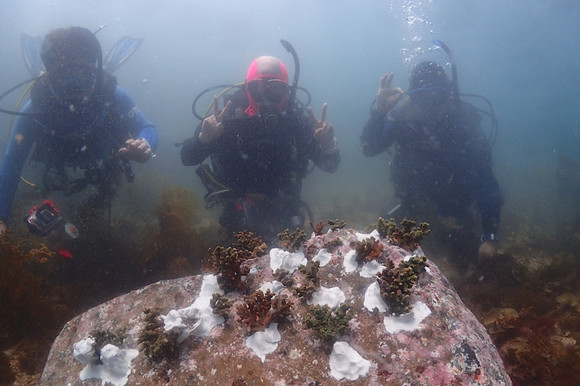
439,342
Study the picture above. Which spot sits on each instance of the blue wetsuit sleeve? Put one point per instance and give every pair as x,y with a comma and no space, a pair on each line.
22,138
137,122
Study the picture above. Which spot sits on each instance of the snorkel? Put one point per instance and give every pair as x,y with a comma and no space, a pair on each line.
292,51
454,82
455,93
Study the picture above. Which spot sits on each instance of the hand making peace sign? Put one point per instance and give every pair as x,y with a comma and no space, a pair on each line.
323,131
212,127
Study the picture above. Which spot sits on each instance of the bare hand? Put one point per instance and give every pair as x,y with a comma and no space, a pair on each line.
486,250
386,96
136,150
323,131
212,127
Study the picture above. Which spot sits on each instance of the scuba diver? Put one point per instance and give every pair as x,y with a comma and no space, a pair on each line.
260,145
79,119
441,166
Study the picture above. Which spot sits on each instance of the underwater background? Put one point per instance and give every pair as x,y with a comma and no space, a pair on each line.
523,56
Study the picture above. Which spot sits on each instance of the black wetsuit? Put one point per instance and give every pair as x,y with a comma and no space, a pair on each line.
441,163
261,161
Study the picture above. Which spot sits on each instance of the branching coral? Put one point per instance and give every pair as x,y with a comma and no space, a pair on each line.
285,277
291,241
260,309
318,228
327,322
367,250
310,271
249,244
305,290
220,305
330,245
157,344
408,237
336,224
103,338
228,264
396,283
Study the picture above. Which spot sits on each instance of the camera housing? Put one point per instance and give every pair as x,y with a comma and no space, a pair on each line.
42,219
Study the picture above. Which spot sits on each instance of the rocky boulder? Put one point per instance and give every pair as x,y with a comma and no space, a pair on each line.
288,321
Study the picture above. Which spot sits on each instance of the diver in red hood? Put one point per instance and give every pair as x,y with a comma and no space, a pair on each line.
259,147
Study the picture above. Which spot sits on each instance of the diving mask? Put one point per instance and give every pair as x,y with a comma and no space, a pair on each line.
268,90
73,81
429,96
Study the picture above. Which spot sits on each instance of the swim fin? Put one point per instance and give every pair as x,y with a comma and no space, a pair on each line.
31,47
121,51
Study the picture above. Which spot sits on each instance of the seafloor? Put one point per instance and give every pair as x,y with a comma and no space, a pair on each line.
528,298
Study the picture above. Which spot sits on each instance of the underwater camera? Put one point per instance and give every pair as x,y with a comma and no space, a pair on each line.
42,219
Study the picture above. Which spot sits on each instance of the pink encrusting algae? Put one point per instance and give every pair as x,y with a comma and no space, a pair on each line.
438,342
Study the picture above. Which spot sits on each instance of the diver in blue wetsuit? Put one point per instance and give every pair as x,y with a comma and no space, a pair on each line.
441,165
78,118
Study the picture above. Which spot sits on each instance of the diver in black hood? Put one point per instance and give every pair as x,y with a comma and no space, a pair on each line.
441,165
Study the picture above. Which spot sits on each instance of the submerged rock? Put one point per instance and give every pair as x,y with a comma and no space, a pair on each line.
439,342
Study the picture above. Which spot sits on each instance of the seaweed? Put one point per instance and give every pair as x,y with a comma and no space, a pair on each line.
396,283
291,241
328,323
176,214
157,344
29,306
536,349
408,237
260,309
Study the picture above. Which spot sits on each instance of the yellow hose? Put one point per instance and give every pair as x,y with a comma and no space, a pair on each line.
18,106
210,107
27,182
11,122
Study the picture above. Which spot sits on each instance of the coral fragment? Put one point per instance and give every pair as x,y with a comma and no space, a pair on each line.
260,309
